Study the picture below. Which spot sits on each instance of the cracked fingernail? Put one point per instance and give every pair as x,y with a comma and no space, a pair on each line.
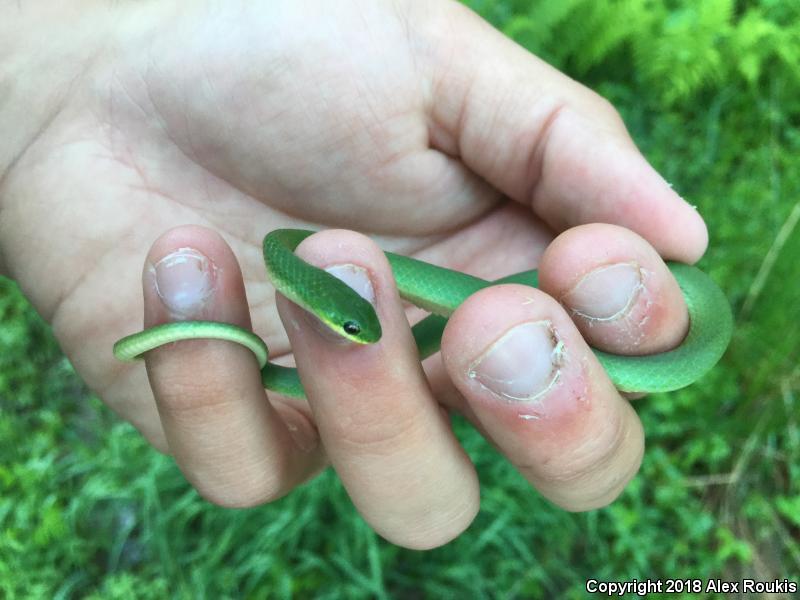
185,280
522,364
606,293
356,278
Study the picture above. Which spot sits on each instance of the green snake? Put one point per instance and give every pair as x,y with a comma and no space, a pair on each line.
440,291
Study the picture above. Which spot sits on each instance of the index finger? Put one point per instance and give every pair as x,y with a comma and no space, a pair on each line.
543,139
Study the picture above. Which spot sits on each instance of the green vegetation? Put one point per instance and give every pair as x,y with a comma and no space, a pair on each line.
711,92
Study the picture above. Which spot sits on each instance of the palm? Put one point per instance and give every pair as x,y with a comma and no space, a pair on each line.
375,116
238,130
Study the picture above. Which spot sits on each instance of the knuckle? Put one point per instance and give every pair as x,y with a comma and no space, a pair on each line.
179,393
609,111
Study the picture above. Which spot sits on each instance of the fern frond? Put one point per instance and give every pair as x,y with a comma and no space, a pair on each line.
536,27
684,55
677,47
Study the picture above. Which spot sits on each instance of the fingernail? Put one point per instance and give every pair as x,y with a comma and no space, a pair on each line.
606,293
185,281
357,279
523,364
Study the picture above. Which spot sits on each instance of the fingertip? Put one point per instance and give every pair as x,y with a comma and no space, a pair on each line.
696,234
541,396
616,288
191,273
515,345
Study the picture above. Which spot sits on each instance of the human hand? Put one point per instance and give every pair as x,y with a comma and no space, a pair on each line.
412,121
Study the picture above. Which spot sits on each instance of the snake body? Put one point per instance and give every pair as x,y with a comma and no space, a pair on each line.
440,291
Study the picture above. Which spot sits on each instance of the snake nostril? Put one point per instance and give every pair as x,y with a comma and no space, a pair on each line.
351,328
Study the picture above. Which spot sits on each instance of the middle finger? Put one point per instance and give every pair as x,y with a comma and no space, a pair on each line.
386,436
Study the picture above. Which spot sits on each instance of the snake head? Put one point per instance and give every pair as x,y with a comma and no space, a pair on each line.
331,300
358,324
346,313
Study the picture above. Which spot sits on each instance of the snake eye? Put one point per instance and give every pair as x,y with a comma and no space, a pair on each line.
351,328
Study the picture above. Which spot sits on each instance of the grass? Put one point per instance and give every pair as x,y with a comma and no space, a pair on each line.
87,509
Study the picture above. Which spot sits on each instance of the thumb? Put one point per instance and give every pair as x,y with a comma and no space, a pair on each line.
542,138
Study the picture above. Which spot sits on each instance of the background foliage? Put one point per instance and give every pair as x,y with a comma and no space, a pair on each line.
711,92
